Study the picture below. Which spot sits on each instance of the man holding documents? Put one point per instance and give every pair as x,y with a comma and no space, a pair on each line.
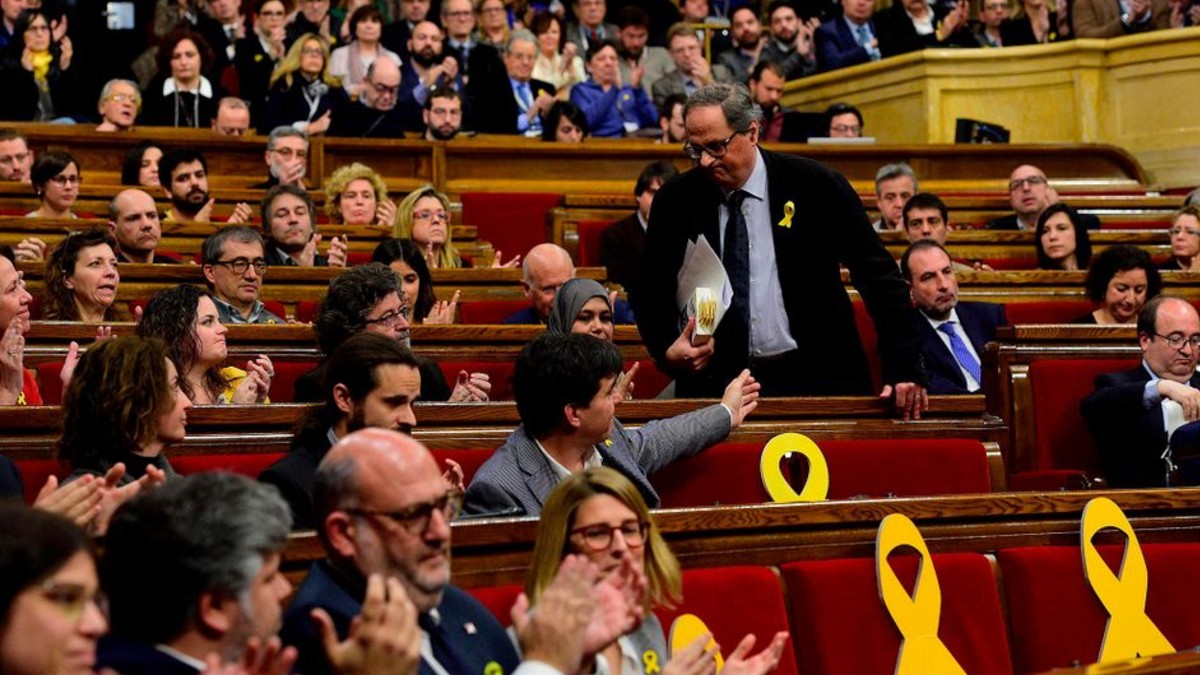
780,226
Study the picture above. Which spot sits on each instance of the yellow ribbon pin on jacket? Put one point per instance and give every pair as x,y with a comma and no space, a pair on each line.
789,210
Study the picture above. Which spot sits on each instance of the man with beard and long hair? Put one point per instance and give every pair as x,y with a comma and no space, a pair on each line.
183,173
443,114
427,68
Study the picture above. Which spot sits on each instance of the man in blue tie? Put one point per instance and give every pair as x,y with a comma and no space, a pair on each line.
953,333
531,98
849,40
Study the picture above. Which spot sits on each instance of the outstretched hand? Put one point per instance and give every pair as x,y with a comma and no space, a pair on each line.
741,397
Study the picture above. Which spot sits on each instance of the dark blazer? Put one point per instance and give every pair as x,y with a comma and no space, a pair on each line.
830,357
622,247
286,105
501,107
979,320
486,77
897,34
475,636
1129,437
21,93
254,67
838,48
160,111
293,475
354,119
1019,31
1010,222
130,657
622,315
11,485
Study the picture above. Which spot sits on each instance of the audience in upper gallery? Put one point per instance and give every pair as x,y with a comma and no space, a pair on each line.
989,29
850,39
374,114
427,69
55,178
286,157
565,123
558,61
81,279
443,114
523,107
632,34
493,28
315,17
1184,14
692,70
1185,241
397,33
612,107
16,159
133,219
623,243
124,406
234,268
1035,23
119,105
351,62
18,386
670,120
845,121
183,173
545,269
766,89
480,67
424,217
232,118
1120,281
589,26
180,95
221,23
1101,19
407,260
748,42
291,233
140,167
1029,192
301,93
36,76
9,11
895,184
356,195
185,318
914,25
1061,239
792,42
258,54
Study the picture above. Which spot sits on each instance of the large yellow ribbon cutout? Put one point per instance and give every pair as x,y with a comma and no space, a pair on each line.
816,488
688,628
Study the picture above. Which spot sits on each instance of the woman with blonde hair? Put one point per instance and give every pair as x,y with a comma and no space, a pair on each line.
356,195
302,93
424,217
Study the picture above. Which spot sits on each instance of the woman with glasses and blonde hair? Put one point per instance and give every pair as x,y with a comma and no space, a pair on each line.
1185,241
356,195
599,514
302,94
424,217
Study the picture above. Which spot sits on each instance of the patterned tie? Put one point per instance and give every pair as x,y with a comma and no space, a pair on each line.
442,652
961,354
864,39
735,254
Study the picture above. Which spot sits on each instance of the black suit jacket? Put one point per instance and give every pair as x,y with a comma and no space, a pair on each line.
130,657
898,35
486,78
356,120
498,105
1009,222
293,476
838,48
11,485
829,228
622,247
1130,438
254,67
979,320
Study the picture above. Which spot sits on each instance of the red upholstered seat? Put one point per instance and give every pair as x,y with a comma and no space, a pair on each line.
589,242
49,383
1022,263
728,473
283,385
500,373
499,600
649,380
489,311
842,627
1110,224
870,342
1046,311
1056,620
470,459
512,222
34,473
306,310
244,463
734,601
356,258
276,307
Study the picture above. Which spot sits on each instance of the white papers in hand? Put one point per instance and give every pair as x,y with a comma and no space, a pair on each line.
702,269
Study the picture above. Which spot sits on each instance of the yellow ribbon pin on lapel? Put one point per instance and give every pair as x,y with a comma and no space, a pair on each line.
816,488
789,210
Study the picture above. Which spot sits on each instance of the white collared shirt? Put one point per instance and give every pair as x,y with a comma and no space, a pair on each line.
190,661
205,89
972,384
561,471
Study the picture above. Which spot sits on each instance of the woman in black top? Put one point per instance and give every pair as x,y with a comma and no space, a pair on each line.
180,95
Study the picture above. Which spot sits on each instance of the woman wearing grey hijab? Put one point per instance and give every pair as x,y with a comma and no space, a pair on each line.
582,306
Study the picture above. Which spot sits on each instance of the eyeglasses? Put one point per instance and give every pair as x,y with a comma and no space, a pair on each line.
715,150
1177,340
415,519
240,265
1184,230
312,51
271,13
390,319
63,181
1031,181
426,214
599,537
384,89
288,153
458,15
846,128
123,98
72,599
492,10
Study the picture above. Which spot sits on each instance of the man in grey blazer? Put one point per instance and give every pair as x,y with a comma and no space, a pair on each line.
564,386
633,31
692,70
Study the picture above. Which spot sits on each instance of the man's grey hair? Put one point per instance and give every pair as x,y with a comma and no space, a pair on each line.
890,171
106,91
739,108
519,35
335,488
285,132
213,248
206,533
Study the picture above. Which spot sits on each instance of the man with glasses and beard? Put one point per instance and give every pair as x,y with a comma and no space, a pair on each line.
183,173
442,114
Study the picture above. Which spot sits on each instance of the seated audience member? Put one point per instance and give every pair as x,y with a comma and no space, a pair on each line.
397,33
368,299
16,159
1098,19
1183,14
18,386
582,306
232,118
519,107
612,108
493,23
428,69
234,267
558,61
670,120
583,515
1061,239
55,178
633,32
914,25
748,42
369,381
120,103
564,385
1185,241
546,268
52,615
352,63
301,93
356,195
317,19
1120,280
407,260
36,76
623,243
792,43
989,29
257,55
565,123
375,472
589,25
133,220
180,95
442,114
1030,193
291,233
124,406
895,184
845,121
424,217
926,217
766,89
849,40
953,333
286,157
1126,413
1035,23
374,114
140,168
692,70
183,173
185,319
81,279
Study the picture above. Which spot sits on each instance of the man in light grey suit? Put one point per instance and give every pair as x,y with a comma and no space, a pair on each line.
692,70
633,31
564,386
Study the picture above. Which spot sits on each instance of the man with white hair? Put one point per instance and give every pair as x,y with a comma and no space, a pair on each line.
120,102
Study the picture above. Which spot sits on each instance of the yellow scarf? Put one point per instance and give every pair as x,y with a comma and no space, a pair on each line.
41,66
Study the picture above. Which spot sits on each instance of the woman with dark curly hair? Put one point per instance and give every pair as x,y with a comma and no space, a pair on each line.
186,319
81,279
180,95
55,177
1120,281
140,167
123,406
35,71
1062,240
416,285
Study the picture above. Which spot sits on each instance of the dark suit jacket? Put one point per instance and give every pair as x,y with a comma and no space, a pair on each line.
356,120
830,358
622,315
486,77
286,105
1010,222
130,657
294,475
838,48
11,485
898,35
622,247
254,67
1129,437
499,107
979,320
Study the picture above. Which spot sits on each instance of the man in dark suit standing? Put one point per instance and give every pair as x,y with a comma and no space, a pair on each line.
770,217
850,39
623,243
1126,413
953,333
